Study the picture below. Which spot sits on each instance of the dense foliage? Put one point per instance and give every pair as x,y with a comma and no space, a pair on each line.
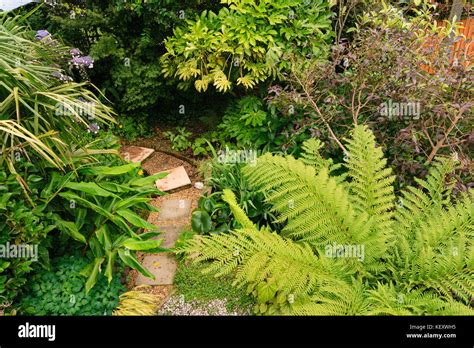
247,42
259,93
63,184
347,249
125,38
61,291
398,76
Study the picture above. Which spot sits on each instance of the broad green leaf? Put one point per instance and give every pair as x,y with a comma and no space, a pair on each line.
96,247
122,224
266,292
135,220
102,170
148,235
132,262
114,187
134,244
103,237
84,202
146,181
90,188
110,265
201,222
92,280
70,228
128,202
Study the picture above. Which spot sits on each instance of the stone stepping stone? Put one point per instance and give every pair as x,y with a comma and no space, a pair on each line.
162,266
176,178
135,153
174,209
170,235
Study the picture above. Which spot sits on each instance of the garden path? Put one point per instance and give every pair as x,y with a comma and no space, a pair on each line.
174,214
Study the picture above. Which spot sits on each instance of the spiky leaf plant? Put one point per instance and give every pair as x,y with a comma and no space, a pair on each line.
347,248
42,113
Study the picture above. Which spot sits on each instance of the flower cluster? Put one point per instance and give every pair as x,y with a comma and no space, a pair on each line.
81,61
61,77
45,36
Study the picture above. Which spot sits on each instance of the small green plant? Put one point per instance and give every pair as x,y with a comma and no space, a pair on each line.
201,146
131,128
62,291
179,140
213,215
194,285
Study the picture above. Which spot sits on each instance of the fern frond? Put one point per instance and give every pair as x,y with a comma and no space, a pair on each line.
417,205
370,181
438,252
316,208
311,157
238,212
260,255
338,299
386,299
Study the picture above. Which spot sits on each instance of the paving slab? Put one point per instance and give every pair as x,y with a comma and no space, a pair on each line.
135,153
162,266
174,209
169,234
176,178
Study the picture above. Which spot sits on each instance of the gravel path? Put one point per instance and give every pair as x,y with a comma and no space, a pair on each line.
177,305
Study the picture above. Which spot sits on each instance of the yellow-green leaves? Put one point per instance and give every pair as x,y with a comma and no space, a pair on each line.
244,43
221,82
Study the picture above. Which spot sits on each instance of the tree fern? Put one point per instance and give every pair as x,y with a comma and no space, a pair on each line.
327,217
418,258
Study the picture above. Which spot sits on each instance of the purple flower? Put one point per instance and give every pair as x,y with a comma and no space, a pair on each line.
41,34
75,52
60,76
77,61
88,61
94,128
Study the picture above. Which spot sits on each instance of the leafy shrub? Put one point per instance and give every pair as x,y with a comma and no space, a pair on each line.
62,291
97,208
180,139
132,127
246,42
64,179
213,215
392,59
126,40
21,225
248,124
347,248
